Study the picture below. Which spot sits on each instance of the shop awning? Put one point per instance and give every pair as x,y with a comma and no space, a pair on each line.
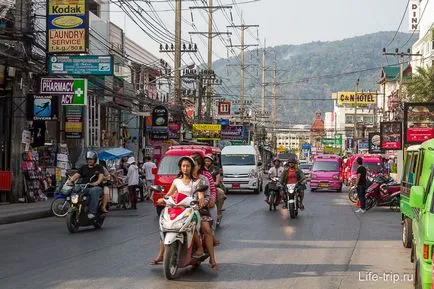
114,153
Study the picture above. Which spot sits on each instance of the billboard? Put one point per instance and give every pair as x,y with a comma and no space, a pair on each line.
67,26
418,122
374,140
414,15
73,122
234,132
391,135
207,131
357,98
72,91
80,64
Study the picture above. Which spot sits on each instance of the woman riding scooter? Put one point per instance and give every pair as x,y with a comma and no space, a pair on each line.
293,175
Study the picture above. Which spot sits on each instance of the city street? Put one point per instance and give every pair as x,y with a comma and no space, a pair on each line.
328,246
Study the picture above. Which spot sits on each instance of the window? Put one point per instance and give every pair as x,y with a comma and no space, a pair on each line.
95,8
238,160
325,166
409,177
169,165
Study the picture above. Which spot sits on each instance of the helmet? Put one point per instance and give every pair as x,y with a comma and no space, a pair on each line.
276,160
210,157
91,155
190,159
292,158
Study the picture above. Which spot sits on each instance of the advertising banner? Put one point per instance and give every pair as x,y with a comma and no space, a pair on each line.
413,15
42,107
67,26
357,98
332,141
73,122
363,145
332,150
71,91
374,139
80,64
207,131
159,133
160,116
236,132
391,135
174,130
418,122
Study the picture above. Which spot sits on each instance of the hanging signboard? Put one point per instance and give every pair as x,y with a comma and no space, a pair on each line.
418,122
42,107
72,91
363,145
235,132
224,107
357,98
67,26
159,134
374,139
80,64
414,15
207,131
174,130
391,135
160,116
73,122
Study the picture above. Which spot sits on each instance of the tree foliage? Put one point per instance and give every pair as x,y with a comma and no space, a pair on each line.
420,86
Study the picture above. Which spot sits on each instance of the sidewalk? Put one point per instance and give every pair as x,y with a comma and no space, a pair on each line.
19,212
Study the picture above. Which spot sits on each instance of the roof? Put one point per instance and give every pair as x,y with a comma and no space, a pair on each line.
239,149
429,144
391,73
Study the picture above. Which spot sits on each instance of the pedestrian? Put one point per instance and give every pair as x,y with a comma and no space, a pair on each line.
149,176
132,181
361,183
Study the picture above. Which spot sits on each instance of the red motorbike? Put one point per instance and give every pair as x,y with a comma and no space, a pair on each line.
383,192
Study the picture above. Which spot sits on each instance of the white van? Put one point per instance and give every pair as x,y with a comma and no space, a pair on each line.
241,168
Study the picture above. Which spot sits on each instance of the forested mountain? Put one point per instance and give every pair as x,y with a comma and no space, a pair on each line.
307,74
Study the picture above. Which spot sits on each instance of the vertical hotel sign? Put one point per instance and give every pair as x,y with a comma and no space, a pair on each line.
67,26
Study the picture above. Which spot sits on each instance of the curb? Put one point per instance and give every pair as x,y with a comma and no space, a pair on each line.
25,217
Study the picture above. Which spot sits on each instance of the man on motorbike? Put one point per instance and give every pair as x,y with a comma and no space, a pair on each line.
293,175
274,172
93,171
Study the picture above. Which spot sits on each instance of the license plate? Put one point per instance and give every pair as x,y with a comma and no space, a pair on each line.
324,185
235,185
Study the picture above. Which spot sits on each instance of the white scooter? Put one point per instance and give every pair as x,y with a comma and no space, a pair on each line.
178,223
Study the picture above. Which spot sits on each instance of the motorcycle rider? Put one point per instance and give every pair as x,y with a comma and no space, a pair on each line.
273,172
86,172
293,175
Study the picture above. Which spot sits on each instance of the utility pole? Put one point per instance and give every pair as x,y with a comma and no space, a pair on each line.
177,75
355,116
210,35
273,109
242,47
263,81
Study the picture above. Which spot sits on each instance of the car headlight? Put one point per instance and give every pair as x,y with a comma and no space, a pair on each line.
336,177
312,176
253,174
74,198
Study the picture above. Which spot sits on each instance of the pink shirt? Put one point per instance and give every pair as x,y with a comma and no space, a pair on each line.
212,188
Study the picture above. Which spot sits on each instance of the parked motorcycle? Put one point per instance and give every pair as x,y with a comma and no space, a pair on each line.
383,192
293,199
178,223
352,193
77,215
273,199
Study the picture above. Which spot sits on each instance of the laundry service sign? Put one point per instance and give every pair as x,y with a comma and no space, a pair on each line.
71,91
67,26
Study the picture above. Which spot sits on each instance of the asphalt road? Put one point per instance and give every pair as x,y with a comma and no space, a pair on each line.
328,246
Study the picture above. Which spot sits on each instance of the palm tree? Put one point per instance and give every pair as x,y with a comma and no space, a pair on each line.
420,87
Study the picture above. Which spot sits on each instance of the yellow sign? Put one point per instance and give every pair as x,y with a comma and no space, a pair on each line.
332,150
281,149
73,126
207,131
357,98
67,26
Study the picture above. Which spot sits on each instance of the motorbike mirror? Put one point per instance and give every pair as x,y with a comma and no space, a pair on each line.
157,188
259,164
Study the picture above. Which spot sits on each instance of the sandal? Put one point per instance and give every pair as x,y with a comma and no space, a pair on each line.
155,262
213,266
198,256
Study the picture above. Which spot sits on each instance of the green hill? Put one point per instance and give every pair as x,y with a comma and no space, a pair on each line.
309,73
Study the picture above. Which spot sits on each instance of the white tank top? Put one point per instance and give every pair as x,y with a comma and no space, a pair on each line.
185,189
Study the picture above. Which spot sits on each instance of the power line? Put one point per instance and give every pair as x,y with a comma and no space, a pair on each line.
414,30
400,23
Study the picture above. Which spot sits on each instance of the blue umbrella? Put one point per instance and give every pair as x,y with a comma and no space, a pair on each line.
114,153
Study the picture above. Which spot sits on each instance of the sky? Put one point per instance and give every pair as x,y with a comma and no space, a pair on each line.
280,22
